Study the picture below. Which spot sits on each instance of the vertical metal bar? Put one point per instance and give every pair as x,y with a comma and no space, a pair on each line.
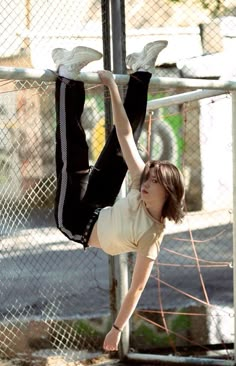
118,36
119,67
105,8
234,204
106,25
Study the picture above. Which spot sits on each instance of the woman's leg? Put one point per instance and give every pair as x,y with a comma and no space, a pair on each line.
110,169
72,163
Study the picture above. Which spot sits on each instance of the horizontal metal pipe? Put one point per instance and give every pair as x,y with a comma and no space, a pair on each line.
12,73
17,73
182,98
175,360
93,78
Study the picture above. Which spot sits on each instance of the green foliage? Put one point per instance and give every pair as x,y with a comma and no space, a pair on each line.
180,322
151,337
83,326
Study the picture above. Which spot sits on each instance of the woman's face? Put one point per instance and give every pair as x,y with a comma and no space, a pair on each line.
151,189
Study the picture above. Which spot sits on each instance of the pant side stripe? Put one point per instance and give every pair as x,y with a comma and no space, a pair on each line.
64,177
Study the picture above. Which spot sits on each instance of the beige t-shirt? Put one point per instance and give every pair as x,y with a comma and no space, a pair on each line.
127,226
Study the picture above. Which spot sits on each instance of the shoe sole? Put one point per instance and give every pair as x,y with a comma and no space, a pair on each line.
163,44
149,46
141,58
61,56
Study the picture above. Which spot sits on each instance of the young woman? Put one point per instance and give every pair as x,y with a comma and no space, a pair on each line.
86,208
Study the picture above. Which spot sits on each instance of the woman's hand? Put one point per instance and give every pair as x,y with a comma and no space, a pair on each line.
112,340
106,77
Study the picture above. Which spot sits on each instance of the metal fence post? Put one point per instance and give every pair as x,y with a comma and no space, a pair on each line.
118,42
106,24
234,203
106,39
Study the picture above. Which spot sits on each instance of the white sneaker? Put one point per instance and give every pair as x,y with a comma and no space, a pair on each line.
69,63
146,59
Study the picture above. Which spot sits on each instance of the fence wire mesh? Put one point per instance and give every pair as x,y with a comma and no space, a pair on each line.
53,295
187,307
46,281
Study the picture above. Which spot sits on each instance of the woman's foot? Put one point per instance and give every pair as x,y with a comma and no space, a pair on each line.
69,63
145,60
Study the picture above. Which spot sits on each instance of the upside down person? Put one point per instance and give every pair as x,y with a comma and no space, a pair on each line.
86,206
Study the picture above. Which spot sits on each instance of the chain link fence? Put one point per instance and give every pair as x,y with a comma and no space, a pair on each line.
54,296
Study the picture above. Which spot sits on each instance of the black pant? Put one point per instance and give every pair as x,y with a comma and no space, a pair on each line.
79,196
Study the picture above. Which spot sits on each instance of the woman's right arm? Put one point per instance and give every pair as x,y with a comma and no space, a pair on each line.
123,128
142,271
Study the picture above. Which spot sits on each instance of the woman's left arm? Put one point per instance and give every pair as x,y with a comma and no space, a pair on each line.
124,131
142,270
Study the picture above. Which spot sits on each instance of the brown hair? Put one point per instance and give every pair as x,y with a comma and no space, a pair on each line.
169,176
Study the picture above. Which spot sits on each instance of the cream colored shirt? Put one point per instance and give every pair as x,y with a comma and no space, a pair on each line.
127,226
